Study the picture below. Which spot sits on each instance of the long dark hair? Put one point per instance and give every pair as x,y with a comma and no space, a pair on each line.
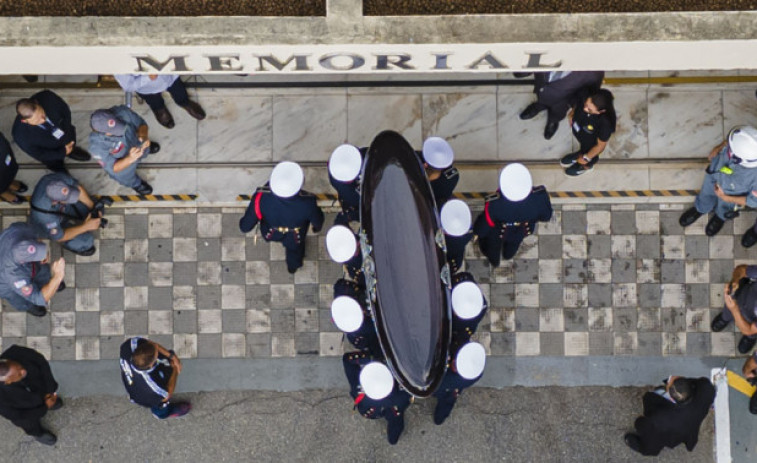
603,100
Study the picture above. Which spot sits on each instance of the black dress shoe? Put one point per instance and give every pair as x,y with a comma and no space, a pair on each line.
195,110
61,286
79,154
521,75
690,216
154,147
144,188
164,117
749,238
58,404
718,324
753,404
551,129
87,252
531,111
714,226
22,187
633,442
38,311
46,438
746,344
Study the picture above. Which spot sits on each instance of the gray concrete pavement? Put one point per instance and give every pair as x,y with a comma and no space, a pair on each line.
515,424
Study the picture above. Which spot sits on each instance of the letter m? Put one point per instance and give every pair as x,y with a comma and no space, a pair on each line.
179,63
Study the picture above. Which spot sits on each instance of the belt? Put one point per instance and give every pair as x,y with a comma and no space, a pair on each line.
287,229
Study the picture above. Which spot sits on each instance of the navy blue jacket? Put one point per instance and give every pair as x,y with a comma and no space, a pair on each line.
297,212
348,193
462,330
391,407
39,142
365,338
453,384
514,216
456,248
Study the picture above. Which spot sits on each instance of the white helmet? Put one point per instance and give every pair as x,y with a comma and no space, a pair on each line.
376,380
515,182
743,143
286,179
467,300
456,217
340,243
345,163
437,153
470,360
347,314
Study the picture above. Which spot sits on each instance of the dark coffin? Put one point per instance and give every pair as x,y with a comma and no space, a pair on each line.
405,264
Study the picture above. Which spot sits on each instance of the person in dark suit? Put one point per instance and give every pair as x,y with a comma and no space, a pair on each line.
511,214
375,393
437,157
469,307
672,415
456,223
556,92
463,372
344,175
9,186
44,131
28,391
284,212
350,316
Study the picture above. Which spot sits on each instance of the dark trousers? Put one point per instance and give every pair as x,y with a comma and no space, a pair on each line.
177,90
445,402
346,216
749,317
31,425
492,245
394,427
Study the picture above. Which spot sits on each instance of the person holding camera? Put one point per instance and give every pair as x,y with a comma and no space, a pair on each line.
740,296
750,372
63,211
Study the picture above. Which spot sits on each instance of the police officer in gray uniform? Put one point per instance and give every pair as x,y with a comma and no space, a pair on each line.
62,211
731,177
118,142
26,281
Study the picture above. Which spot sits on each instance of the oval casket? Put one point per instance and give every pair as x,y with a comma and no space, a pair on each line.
404,260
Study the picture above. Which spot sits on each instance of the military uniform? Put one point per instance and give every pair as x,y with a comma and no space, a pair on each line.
449,390
348,195
285,220
462,330
504,224
51,220
21,284
392,407
108,149
456,249
734,179
444,186
365,338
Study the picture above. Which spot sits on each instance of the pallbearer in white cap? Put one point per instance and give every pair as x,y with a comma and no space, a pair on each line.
468,307
456,223
350,317
511,214
344,171
284,212
437,158
464,371
341,243
375,392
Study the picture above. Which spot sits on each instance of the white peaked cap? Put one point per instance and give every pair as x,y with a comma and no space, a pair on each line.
376,380
340,243
347,314
470,360
437,153
345,163
456,217
467,300
515,182
286,179
743,142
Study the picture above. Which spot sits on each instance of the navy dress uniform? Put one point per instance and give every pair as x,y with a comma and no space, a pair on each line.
23,276
456,223
356,323
341,244
149,388
375,393
469,307
23,397
119,142
345,165
56,207
437,157
284,212
43,129
731,173
345,287
511,214
463,372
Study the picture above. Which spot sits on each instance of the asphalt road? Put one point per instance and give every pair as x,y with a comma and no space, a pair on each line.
580,424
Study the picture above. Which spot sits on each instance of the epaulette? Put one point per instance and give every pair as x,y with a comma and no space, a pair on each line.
451,172
493,197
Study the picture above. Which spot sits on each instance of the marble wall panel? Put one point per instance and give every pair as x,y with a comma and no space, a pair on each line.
467,121
179,144
370,114
674,177
684,124
225,184
630,140
739,107
520,139
307,128
603,177
237,129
